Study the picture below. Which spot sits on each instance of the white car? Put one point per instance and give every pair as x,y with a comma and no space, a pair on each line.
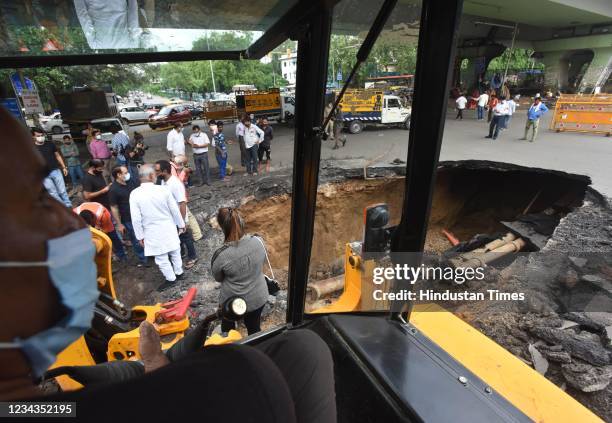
53,123
134,114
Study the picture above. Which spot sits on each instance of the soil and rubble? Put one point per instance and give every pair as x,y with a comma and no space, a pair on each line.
562,330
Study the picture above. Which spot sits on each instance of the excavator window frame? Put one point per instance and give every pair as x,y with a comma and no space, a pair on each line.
310,23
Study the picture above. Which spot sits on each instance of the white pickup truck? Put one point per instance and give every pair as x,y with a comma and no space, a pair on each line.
361,108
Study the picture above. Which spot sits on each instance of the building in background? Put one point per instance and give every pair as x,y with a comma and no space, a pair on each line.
288,63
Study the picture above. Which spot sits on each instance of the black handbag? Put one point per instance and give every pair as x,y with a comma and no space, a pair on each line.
273,286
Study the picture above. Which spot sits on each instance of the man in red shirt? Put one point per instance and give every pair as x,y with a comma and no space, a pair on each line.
98,216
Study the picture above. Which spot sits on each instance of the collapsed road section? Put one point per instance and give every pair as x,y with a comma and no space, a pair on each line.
474,203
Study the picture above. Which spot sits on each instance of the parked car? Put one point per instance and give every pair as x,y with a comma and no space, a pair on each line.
168,115
197,112
53,123
135,114
106,126
154,107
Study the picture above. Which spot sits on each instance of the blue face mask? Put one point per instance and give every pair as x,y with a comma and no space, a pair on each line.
73,272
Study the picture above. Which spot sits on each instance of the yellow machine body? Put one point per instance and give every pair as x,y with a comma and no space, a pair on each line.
526,389
124,346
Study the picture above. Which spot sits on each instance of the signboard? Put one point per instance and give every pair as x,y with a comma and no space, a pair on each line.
260,102
16,81
359,101
12,105
339,75
31,102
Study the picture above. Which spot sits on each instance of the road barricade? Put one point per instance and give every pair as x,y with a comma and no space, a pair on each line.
583,113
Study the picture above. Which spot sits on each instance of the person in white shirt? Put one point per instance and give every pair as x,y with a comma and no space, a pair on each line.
499,115
240,135
199,142
163,169
175,143
483,100
512,105
252,137
155,218
461,102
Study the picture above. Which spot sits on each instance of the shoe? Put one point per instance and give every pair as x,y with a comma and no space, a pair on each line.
494,138
523,139
165,286
488,137
255,174
179,277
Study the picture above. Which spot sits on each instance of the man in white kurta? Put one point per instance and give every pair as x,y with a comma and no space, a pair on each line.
156,217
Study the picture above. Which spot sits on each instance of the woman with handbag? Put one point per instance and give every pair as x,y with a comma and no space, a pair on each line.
238,266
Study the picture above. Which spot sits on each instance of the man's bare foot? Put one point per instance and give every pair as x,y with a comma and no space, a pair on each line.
149,347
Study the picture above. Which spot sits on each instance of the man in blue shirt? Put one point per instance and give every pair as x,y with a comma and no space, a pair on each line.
221,151
118,145
536,110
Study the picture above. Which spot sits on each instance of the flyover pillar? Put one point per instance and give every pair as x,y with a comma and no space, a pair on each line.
556,66
598,71
479,58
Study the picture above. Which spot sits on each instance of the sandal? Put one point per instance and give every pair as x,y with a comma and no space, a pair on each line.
189,264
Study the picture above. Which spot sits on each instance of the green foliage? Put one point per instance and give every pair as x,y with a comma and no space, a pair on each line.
519,59
386,56
197,76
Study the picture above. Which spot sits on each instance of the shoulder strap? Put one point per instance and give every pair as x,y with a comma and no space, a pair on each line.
265,251
216,254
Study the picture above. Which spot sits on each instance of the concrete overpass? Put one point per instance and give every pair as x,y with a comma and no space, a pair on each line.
570,37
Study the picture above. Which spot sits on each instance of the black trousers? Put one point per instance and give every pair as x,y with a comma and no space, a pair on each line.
459,114
287,378
252,321
495,126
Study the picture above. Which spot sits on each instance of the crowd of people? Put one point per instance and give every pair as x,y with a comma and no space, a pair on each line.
144,206
500,107
48,269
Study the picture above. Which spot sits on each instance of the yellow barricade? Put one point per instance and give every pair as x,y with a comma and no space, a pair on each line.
583,113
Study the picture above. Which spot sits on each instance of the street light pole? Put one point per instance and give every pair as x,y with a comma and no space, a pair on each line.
212,72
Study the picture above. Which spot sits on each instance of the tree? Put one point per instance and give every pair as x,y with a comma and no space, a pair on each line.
197,77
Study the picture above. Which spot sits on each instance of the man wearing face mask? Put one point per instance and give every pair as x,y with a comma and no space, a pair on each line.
54,182
119,197
199,142
46,267
95,187
71,153
100,151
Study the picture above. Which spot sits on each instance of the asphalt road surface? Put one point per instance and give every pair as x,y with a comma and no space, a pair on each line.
583,154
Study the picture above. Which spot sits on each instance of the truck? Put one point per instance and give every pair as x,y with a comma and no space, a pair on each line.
371,107
259,103
83,105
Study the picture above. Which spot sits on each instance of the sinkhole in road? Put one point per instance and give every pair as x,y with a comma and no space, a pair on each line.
469,198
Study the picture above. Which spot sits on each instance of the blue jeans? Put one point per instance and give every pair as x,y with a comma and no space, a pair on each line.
133,170
76,174
55,186
252,159
222,164
117,244
480,111
507,121
138,250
